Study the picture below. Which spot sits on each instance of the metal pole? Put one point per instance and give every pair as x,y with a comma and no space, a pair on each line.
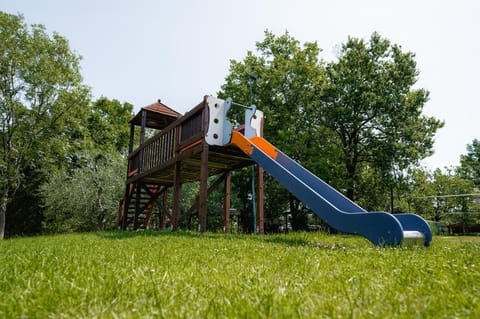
241,105
254,202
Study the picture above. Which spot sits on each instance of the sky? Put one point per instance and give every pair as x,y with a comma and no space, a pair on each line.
178,51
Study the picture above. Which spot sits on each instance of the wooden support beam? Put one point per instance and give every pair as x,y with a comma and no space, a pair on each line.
260,193
132,137
121,208
163,212
226,203
137,207
177,196
260,200
142,127
142,140
203,195
126,204
148,207
154,194
164,216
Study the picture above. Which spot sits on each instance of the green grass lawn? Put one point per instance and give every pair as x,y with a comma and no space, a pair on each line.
190,275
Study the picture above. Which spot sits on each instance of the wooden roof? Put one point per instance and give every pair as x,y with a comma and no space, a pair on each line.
159,116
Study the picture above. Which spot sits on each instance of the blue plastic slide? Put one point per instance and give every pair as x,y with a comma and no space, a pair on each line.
330,205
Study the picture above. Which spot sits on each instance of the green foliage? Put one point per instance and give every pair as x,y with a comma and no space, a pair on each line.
25,214
369,191
356,122
215,209
288,80
41,100
275,204
191,275
242,184
108,125
50,131
88,198
470,163
369,104
189,198
428,196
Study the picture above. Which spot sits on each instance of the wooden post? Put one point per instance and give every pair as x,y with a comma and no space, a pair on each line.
260,200
126,200
126,204
260,193
137,207
142,139
132,137
142,128
203,196
177,196
163,212
226,203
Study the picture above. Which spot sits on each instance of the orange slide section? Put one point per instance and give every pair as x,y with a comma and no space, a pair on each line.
245,144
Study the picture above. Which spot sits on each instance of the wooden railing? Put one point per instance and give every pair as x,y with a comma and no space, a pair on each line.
160,150
164,146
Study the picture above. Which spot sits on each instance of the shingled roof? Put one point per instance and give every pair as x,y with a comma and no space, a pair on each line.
159,116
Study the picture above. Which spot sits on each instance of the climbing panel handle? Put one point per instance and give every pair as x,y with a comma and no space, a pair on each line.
219,129
253,122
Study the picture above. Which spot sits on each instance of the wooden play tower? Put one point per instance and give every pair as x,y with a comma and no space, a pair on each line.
175,155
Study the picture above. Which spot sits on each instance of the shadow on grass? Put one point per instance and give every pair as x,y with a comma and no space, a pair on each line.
274,239
120,234
284,240
291,240
317,243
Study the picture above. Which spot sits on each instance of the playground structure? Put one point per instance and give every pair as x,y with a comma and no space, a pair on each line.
178,154
203,143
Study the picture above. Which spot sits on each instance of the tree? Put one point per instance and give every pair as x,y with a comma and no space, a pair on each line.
108,125
87,199
376,115
470,163
438,195
288,79
40,94
83,195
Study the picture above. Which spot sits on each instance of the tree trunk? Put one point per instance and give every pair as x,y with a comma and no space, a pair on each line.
2,222
351,172
293,213
3,211
391,199
350,192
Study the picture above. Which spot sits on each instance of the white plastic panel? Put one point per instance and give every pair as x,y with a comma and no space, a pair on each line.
219,128
253,122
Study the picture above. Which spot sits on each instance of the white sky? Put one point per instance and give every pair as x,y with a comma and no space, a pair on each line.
179,50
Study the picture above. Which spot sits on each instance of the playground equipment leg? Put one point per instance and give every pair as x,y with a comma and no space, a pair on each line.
260,199
226,203
202,204
177,196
